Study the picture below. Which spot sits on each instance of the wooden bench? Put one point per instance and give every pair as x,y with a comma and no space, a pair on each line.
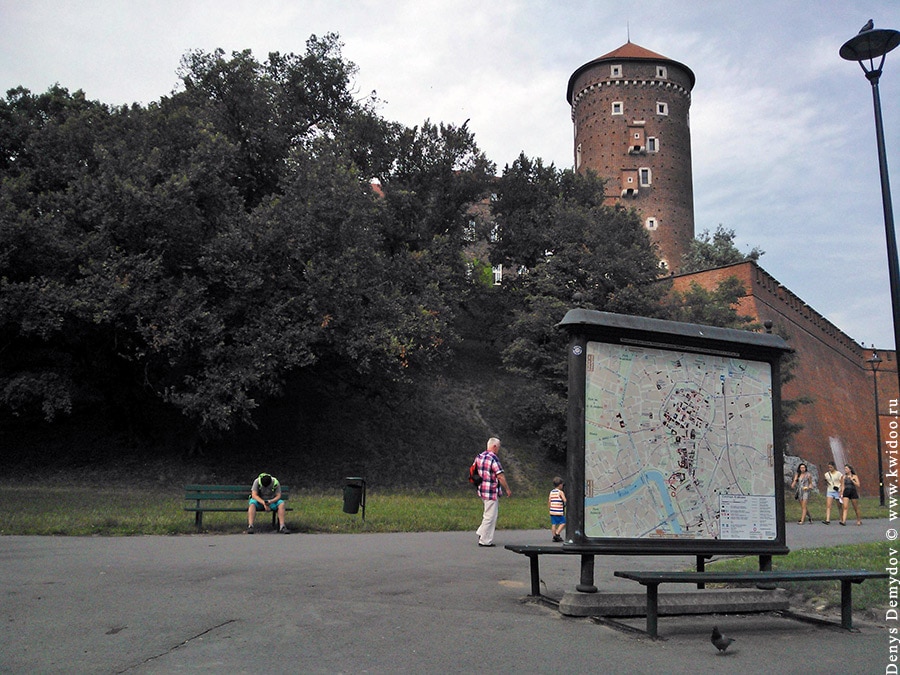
208,498
652,580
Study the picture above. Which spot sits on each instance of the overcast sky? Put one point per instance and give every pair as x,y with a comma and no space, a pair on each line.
783,131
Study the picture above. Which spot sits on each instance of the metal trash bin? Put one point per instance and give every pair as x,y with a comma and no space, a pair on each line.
355,495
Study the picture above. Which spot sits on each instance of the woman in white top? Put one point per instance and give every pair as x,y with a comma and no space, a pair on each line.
832,490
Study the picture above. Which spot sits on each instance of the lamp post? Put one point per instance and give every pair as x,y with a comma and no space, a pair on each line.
868,46
874,362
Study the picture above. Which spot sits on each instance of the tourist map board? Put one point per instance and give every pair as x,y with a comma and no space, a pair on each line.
678,445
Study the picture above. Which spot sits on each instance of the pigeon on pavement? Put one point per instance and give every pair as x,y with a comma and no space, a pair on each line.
720,641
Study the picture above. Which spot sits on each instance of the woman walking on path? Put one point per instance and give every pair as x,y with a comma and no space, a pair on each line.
850,493
802,486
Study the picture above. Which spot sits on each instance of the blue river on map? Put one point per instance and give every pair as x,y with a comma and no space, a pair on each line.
644,479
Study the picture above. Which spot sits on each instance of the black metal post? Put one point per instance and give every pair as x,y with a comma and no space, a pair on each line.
870,44
875,361
890,234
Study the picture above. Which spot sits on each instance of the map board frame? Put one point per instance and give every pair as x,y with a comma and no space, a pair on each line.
606,333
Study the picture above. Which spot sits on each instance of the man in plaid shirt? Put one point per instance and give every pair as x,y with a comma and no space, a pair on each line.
493,484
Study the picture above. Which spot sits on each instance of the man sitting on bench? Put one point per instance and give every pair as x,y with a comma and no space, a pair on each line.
265,494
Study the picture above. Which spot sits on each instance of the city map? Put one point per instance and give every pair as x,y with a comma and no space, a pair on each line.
677,445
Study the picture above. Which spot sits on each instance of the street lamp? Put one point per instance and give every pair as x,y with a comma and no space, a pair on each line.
874,362
868,46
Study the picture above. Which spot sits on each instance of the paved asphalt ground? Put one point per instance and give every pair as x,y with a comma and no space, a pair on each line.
372,603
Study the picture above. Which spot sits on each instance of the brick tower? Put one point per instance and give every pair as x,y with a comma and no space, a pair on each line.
631,112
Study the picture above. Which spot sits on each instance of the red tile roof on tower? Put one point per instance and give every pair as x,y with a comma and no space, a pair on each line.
632,51
628,51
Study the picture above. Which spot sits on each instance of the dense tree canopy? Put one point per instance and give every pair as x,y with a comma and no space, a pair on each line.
196,251
189,258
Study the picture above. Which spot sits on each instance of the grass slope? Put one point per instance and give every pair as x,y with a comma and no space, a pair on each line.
420,439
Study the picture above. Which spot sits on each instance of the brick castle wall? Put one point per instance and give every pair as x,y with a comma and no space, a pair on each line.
829,367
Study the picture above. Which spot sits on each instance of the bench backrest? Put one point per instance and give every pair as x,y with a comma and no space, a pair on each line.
221,492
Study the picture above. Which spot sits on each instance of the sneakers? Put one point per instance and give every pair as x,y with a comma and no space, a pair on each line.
556,537
283,530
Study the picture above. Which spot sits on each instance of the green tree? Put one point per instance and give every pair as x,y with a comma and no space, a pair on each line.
582,253
198,252
436,174
708,251
718,307
267,110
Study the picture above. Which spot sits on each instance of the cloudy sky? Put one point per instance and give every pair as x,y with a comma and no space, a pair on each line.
782,128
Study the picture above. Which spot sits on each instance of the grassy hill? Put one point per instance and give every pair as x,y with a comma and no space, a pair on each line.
422,438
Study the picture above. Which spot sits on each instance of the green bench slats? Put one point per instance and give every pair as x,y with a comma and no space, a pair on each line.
210,497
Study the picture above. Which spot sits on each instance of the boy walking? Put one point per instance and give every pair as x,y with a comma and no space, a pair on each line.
557,502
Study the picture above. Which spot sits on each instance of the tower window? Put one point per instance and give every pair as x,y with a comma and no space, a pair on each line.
618,108
662,108
652,144
636,140
629,183
615,71
646,177
662,72
651,224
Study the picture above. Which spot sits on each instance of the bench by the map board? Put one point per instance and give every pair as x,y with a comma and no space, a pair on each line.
652,580
533,554
232,498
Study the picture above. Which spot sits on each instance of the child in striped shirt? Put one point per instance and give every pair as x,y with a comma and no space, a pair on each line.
557,509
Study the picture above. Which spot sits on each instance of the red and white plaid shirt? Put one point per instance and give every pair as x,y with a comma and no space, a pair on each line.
489,467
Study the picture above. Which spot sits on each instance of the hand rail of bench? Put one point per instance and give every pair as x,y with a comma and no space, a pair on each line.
652,580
